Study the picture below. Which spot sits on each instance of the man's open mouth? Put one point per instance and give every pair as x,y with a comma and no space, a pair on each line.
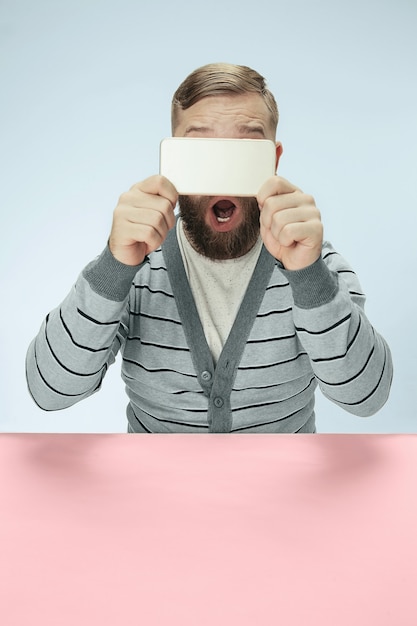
223,210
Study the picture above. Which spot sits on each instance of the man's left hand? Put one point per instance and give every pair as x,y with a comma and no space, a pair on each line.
291,227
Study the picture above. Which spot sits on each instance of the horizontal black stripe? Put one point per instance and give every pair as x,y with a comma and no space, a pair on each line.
182,392
262,404
155,317
326,330
271,339
349,346
158,345
91,319
157,370
373,390
258,387
78,345
349,380
60,393
173,393
259,367
154,291
64,367
156,269
165,421
275,312
278,286
332,252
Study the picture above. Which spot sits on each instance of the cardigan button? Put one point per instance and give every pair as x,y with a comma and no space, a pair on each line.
218,402
206,376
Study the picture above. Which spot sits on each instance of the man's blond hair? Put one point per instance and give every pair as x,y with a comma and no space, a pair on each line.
221,79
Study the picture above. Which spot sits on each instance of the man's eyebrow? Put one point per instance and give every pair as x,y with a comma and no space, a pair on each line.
249,129
199,128
244,129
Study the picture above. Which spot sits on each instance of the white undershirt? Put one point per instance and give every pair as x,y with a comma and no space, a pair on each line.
218,288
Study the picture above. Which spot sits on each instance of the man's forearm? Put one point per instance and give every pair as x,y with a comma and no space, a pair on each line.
77,342
351,361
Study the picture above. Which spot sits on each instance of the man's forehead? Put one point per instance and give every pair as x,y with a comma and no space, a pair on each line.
248,104
237,109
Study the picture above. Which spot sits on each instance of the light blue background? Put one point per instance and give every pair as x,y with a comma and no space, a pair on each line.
86,90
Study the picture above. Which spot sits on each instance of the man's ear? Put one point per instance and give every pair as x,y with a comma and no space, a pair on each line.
278,151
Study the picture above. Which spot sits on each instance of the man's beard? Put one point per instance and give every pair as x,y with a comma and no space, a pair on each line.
216,245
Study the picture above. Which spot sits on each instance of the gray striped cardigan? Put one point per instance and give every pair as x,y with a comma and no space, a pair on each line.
294,330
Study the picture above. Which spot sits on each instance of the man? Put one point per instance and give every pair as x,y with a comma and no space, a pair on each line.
227,318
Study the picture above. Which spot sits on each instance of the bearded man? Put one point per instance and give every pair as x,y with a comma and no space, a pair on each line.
227,315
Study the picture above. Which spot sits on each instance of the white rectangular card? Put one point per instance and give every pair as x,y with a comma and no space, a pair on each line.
217,167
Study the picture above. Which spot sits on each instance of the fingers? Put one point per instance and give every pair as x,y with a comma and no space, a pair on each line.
138,206
275,186
158,186
292,233
142,219
290,223
282,203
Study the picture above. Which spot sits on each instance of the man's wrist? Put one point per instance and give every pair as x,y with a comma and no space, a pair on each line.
312,286
110,278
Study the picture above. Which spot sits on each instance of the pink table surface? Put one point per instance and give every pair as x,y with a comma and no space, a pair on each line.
208,530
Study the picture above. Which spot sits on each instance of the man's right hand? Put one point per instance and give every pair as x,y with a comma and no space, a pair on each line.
142,219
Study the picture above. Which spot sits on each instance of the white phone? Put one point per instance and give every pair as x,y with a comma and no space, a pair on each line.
217,167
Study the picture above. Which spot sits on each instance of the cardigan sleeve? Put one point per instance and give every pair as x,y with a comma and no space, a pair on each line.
77,342
350,359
